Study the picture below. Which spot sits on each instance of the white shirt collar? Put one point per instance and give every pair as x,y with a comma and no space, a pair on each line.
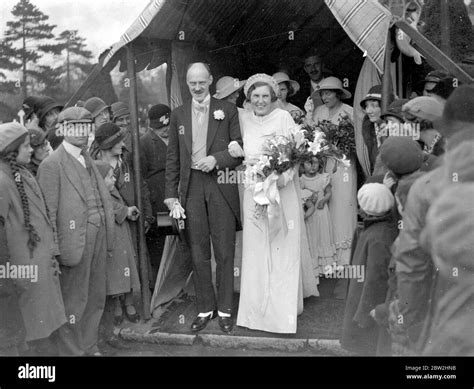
73,150
315,85
205,102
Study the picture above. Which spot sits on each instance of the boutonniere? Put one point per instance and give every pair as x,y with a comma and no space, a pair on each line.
181,130
219,114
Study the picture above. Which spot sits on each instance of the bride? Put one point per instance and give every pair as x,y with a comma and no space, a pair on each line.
276,265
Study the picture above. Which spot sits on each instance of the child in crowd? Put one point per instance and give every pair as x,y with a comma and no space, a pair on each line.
122,273
317,186
30,241
372,255
391,340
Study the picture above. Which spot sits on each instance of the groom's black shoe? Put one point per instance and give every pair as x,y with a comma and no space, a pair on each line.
226,323
200,323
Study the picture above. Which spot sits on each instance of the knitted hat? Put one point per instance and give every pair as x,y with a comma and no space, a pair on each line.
449,232
401,154
160,114
283,77
261,77
227,85
95,106
44,105
37,137
375,199
375,93
457,111
12,135
119,109
395,109
103,167
424,107
108,135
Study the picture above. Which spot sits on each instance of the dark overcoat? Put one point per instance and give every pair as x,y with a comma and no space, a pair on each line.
153,164
372,253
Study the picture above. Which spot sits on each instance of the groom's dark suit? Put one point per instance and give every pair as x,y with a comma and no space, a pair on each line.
212,205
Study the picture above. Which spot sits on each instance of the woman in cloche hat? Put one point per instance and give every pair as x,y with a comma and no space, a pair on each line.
30,240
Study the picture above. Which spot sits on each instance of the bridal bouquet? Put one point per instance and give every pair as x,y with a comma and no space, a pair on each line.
280,155
341,135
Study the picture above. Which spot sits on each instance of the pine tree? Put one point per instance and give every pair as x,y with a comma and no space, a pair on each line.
75,48
461,34
31,32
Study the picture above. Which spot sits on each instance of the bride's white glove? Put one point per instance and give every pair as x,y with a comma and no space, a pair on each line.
235,150
176,210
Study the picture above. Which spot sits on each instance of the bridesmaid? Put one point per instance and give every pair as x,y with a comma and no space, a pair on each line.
343,202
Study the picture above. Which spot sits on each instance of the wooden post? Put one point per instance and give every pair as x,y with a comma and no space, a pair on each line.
143,262
445,26
387,76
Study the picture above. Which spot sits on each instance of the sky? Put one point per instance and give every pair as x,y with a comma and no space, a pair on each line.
101,22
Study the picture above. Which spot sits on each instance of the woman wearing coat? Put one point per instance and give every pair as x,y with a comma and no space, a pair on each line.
109,139
12,329
29,237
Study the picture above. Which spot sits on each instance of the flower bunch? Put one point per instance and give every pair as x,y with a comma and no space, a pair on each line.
318,145
341,136
282,153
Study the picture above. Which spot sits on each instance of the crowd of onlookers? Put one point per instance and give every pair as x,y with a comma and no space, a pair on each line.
416,240
68,207
69,215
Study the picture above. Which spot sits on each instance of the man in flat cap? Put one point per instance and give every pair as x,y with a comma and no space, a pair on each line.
82,215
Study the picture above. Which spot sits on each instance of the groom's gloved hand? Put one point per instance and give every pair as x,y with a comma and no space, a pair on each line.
235,150
176,210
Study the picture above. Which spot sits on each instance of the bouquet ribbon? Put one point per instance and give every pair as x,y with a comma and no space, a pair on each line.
267,193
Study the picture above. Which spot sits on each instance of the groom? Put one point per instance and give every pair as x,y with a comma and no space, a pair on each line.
200,132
